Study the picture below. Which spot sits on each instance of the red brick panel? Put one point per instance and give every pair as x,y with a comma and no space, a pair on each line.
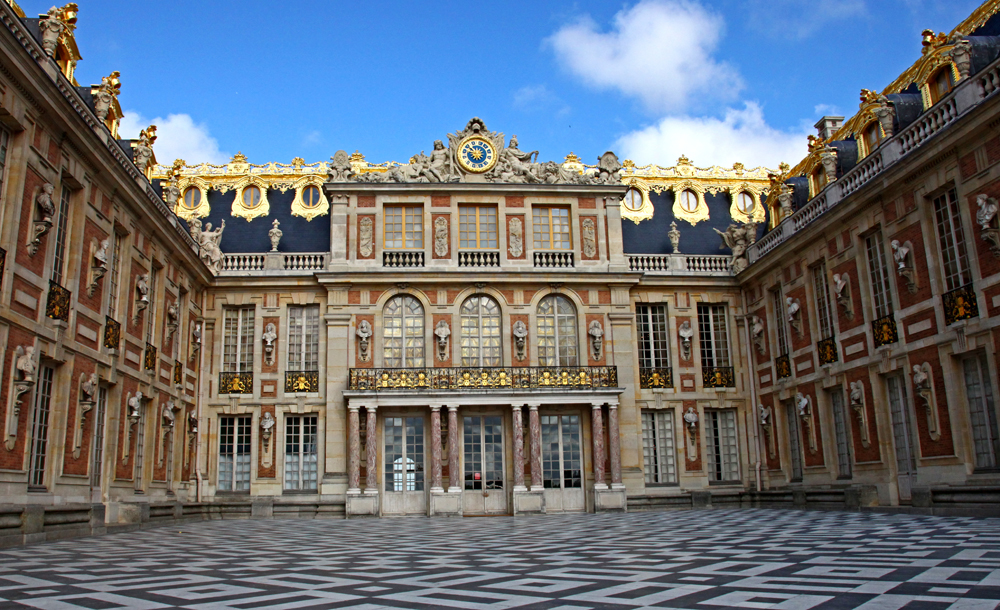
854,348
803,365
85,322
967,165
925,320
366,201
944,444
440,201
513,201
605,340
586,203
20,285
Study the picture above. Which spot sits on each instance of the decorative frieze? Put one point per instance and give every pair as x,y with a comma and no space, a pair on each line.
514,378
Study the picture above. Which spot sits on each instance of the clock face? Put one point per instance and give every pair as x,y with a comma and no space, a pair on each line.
477,155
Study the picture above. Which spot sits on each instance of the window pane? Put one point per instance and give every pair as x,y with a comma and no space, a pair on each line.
403,333
654,343
557,332
878,275
952,240
658,446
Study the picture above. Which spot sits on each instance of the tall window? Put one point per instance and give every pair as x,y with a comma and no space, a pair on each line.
59,261
303,338
940,84
115,275
982,411
4,144
794,439
654,340
723,448
822,289
234,453
557,332
713,335
300,452
40,427
843,433
780,321
151,309
403,333
140,445
477,227
404,227
551,228
239,341
878,275
952,238
658,446
97,453
481,332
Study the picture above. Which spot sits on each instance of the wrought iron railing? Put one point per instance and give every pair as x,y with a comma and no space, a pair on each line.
477,258
178,373
827,349
235,383
960,304
57,304
884,330
512,378
149,361
112,333
301,381
553,258
783,366
656,378
718,377
403,258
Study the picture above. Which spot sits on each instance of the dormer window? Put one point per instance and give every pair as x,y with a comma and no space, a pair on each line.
251,197
689,201
192,197
818,180
632,199
310,196
940,84
872,136
745,203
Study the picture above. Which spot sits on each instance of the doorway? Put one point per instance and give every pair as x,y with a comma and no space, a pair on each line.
562,463
902,436
484,491
403,466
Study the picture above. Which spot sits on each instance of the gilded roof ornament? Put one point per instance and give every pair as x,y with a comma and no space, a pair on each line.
106,105
931,41
143,149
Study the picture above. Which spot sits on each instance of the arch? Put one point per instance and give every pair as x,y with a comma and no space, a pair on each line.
481,343
557,332
403,332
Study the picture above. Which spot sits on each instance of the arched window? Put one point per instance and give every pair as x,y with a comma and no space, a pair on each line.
689,201
481,332
403,333
557,332
251,197
192,197
940,84
873,137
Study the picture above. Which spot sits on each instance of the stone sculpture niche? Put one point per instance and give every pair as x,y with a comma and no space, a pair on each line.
842,293
902,254
757,332
793,309
923,388
172,318
87,397
766,424
195,340
141,296
364,333
44,217
516,246
24,370
267,423
986,218
520,331
441,333
685,332
804,405
691,424
596,333
134,415
857,400
441,236
99,265
269,337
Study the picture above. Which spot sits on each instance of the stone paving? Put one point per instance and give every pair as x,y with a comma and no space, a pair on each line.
692,559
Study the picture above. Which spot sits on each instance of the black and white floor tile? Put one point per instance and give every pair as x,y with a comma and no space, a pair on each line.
693,559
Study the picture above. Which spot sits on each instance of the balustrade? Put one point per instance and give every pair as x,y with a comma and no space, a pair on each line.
553,258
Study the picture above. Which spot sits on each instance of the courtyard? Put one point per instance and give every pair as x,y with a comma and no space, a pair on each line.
690,559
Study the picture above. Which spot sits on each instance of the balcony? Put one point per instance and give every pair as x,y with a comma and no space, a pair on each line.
58,303
653,378
149,361
554,259
505,378
884,331
718,377
960,304
112,333
178,373
783,366
827,350
680,264
236,383
301,381
472,258
402,258
273,263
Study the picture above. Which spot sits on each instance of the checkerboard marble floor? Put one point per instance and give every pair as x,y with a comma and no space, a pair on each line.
693,559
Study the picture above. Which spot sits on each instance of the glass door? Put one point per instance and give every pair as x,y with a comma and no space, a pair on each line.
562,463
482,466
902,435
403,466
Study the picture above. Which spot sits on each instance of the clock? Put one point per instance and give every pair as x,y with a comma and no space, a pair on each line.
476,154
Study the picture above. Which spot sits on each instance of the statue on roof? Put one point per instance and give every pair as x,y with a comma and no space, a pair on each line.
105,95
144,148
961,56
54,23
340,167
737,239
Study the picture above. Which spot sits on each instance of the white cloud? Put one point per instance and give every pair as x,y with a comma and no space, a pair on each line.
533,98
178,137
743,136
800,19
659,51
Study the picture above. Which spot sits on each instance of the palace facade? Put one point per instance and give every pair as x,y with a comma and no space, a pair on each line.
477,332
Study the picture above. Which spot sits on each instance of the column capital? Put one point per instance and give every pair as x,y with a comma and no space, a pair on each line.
353,408
452,408
597,404
436,407
612,404
517,406
534,405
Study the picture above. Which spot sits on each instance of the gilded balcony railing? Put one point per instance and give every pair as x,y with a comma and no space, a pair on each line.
301,381
149,362
718,377
510,378
960,304
656,378
112,333
236,383
783,366
884,330
57,304
827,349
178,373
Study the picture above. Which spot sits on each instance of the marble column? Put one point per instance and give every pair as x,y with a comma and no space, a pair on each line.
535,430
454,473
518,449
353,451
597,432
436,448
371,450
614,446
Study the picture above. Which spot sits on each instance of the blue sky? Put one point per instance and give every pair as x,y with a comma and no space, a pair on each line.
718,80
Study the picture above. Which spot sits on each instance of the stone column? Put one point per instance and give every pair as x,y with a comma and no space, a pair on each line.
597,432
614,447
436,448
353,450
535,430
371,450
518,450
455,474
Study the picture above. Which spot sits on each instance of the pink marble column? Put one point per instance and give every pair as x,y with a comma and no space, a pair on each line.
614,446
597,432
454,473
518,449
436,448
353,451
371,449
535,430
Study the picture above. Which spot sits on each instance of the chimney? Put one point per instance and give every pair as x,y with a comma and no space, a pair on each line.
828,125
